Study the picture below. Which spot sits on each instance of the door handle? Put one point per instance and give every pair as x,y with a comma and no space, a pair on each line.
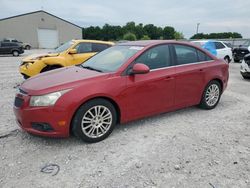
168,78
201,70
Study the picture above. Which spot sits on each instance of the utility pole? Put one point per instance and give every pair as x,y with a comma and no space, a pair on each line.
197,28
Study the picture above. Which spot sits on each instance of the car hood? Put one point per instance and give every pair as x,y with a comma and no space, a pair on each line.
60,79
39,56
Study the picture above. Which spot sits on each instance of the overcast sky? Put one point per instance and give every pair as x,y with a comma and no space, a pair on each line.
213,15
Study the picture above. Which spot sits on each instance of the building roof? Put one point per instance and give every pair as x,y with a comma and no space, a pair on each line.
39,11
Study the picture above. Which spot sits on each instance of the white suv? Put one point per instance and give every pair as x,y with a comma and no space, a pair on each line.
223,51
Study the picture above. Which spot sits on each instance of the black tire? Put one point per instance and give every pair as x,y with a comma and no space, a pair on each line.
227,59
25,76
28,47
204,104
83,111
245,77
236,60
15,53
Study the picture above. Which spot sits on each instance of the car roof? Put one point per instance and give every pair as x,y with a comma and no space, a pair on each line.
145,43
211,40
93,41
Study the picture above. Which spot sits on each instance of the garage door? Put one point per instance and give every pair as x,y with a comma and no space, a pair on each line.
47,38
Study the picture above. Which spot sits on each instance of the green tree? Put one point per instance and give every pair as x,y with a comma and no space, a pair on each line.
152,31
224,35
178,35
129,36
111,32
145,37
168,32
139,32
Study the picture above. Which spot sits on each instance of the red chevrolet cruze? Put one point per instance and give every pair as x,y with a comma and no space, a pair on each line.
123,83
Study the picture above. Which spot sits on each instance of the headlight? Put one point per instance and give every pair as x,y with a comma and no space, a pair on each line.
46,100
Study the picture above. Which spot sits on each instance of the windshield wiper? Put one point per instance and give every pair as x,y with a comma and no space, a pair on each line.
90,68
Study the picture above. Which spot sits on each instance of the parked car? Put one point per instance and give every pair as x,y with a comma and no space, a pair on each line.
11,48
241,51
123,83
245,67
71,53
222,50
26,45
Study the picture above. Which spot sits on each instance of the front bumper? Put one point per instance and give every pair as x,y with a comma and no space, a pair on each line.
57,118
31,68
245,74
245,69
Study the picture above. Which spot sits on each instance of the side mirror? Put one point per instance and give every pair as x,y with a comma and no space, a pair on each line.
140,68
72,51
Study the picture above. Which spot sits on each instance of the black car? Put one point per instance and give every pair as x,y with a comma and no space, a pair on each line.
241,51
11,48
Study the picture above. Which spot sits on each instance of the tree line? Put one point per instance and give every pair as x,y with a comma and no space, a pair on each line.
130,31
224,35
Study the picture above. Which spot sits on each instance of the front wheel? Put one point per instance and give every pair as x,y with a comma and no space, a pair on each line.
227,59
28,47
94,121
15,53
211,95
245,77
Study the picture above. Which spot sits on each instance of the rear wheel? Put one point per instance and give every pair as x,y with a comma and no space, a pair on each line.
211,95
15,53
94,121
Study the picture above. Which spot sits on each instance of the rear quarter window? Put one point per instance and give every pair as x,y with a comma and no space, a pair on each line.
203,57
219,45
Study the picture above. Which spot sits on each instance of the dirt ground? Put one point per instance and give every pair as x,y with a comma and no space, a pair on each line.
190,148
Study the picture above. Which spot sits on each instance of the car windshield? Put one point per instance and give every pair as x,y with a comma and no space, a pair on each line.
111,59
63,47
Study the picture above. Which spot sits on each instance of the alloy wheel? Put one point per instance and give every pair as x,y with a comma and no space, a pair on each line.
212,95
96,121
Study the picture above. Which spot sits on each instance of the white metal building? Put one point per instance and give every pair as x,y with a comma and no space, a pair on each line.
41,29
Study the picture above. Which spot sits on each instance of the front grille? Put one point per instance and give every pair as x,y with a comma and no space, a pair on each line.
18,102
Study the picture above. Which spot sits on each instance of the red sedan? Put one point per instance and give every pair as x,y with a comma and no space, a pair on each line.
123,83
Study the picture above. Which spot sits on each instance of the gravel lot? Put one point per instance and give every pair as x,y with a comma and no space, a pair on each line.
187,148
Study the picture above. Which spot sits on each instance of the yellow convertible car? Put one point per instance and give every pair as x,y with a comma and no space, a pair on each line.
71,53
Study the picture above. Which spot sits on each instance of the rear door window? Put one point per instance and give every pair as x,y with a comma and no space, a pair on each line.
185,54
83,48
5,44
99,47
188,55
